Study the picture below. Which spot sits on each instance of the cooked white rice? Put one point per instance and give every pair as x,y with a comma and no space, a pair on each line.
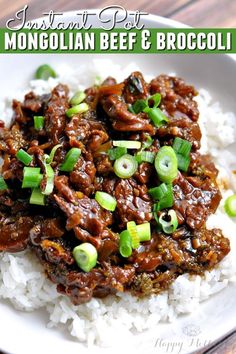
22,280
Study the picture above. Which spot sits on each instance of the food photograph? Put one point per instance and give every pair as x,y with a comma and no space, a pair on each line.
118,189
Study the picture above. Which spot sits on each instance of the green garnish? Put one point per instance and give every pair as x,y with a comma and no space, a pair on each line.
38,122
139,106
168,221
181,146
105,200
71,159
37,197
156,115
132,237
230,205
49,158
147,143
85,256
129,144
80,108
77,98
183,162
145,156
144,231
125,244
164,195
152,102
182,149
24,157
31,177
97,81
49,173
150,106
166,164
125,166
116,153
132,229
3,185
44,72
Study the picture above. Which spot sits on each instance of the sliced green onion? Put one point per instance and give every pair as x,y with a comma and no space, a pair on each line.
132,229
70,160
125,244
38,122
166,164
230,205
44,72
49,180
156,99
129,144
77,98
116,153
125,166
80,108
130,108
157,116
159,192
105,200
37,197
144,231
85,256
169,226
49,159
24,157
155,211
151,102
182,147
168,200
164,195
31,177
145,156
139,106
148,143
97,81
183,162
3,185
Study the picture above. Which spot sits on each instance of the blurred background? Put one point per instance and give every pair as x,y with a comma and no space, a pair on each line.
196,13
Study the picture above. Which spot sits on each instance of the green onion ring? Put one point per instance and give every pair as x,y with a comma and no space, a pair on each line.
230,205
169,226
85,256
125,244
105,200
125,166
166,164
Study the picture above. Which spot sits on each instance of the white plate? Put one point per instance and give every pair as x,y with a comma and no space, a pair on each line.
26,333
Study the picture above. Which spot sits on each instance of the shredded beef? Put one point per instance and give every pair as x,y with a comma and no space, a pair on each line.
72,215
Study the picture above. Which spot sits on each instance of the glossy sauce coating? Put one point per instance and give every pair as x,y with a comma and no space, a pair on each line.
72,215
